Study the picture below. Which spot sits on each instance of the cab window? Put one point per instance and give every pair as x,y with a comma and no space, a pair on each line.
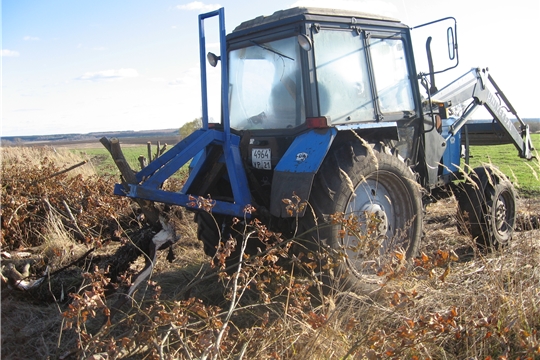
394,93
343,85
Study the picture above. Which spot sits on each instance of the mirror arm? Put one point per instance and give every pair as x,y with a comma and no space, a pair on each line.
433,88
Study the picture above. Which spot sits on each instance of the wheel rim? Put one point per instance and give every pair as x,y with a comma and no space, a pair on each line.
503,218
380,207
500,216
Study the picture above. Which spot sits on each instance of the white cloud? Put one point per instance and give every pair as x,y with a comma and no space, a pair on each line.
30,38
28,109
198,6
109,75
99,48
9,53
189,77
177,82
157,80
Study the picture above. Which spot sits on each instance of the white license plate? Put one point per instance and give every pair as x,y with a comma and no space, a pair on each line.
261,159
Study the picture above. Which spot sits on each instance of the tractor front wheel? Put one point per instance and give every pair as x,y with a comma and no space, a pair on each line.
487,207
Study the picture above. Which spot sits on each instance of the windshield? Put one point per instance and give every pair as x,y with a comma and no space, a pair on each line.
265,86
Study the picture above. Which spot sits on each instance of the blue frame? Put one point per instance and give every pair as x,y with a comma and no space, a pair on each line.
152,177
224,68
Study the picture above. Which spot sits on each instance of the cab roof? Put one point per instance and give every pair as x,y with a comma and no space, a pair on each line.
307,13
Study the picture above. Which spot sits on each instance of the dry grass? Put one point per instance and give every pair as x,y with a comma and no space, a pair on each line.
481,305
31,331
59,247
488,305
33,157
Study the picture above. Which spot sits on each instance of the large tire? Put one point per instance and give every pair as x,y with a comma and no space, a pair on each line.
487,207
209,230
357,180
213,229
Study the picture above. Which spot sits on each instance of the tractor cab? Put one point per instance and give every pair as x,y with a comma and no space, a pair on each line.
316,68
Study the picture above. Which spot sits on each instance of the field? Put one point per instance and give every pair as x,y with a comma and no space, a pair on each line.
524,174
451,302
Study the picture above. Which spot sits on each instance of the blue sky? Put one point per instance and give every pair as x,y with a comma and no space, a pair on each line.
82,66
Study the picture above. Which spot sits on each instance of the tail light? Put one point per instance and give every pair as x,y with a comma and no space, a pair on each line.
320,122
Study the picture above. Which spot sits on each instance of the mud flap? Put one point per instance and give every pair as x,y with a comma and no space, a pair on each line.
435,146
295,171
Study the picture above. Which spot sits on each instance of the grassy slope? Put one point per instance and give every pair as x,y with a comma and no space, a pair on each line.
104,164
524,174
103,161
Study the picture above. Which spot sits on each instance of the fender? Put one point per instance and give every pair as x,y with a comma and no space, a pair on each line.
295,171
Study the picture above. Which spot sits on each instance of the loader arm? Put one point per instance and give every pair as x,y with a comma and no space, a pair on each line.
478,85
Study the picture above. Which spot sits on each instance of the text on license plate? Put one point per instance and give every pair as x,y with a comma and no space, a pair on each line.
261,159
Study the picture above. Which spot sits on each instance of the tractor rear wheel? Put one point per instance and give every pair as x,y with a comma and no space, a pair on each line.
214,230
209,230
487,206
381,203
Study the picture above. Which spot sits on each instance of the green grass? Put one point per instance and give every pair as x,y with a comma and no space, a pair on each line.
524,174
104,164
103,160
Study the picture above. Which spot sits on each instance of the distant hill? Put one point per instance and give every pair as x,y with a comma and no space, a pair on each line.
144,135
171,136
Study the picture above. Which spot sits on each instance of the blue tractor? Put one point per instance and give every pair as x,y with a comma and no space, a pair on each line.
326,106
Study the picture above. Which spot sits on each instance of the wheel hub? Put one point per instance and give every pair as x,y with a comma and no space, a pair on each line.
372,202
376,212
500,215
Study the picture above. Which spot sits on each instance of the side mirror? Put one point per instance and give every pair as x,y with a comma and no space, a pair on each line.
212,59
451,43
451,40
304,42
